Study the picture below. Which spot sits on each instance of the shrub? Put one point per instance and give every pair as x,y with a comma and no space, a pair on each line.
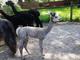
9,10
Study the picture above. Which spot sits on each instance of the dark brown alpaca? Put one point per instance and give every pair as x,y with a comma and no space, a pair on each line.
19,19
7,32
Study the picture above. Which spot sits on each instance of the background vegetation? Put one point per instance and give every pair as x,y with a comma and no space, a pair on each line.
64,13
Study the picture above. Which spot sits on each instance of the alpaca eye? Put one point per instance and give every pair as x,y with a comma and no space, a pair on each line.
55,16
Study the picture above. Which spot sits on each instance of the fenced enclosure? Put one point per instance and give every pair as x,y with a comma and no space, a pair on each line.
63,42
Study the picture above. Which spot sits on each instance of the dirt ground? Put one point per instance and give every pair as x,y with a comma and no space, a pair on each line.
61,43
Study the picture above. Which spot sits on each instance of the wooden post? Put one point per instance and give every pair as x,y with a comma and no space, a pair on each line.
71,10
78,3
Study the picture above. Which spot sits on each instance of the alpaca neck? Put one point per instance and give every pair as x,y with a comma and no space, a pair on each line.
4,14
14,9
50,25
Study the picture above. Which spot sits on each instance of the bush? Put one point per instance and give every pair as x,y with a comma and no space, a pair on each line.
7,9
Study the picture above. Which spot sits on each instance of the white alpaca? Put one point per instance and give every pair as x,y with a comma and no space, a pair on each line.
52,14
36,32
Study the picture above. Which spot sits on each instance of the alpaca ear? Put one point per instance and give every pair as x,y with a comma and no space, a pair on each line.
52,14
9,2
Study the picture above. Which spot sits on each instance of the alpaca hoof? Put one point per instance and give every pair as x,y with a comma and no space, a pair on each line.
23,59
12,55
29,54
42,57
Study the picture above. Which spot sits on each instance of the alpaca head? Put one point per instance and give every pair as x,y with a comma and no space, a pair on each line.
54,16
9,3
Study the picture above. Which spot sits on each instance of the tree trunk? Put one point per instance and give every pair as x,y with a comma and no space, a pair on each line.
78,3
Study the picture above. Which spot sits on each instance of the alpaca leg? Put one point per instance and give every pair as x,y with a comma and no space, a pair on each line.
11,43
27,50
21,48
25,46
38,22
41,47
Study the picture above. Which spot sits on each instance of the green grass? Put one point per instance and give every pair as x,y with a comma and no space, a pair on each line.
64,12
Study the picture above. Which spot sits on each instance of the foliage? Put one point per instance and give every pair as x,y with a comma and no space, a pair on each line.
7,9
44,16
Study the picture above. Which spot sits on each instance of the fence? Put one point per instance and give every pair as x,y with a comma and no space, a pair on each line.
71,10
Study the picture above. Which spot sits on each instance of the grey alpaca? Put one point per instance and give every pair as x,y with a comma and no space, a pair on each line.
36,32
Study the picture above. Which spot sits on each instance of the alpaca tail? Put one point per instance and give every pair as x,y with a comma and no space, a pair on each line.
18,29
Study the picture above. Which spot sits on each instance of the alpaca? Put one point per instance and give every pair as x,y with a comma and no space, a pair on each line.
36,32
33,12
52,14
19,19
36,15
7,33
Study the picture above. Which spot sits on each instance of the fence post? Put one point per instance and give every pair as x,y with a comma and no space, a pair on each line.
71,11
78,4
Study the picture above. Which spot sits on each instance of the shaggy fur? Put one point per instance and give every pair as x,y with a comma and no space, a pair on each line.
7,32
24,33
33,12
19,19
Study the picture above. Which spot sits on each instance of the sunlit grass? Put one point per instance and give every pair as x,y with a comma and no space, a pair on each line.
64,12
